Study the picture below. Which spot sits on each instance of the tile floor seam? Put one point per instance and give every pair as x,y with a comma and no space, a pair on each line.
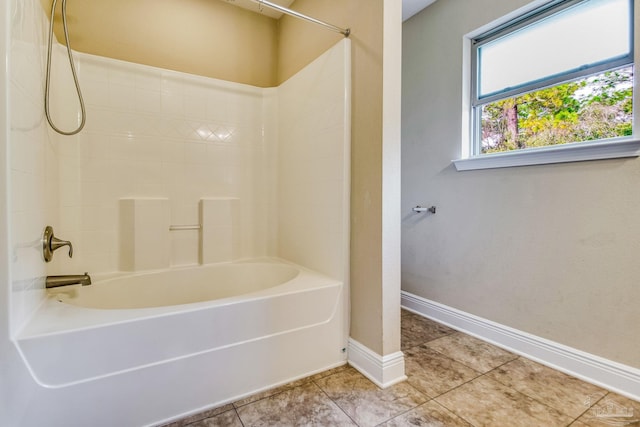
238,415
182,422
456,387
433,339
426,396
536,398
420,393
457,415
474,379
270,395
457,361
589,408
471,367
333,401
195,422
402,413
480,374
521,393
454,412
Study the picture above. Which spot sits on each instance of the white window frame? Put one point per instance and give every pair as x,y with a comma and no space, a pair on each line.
573,152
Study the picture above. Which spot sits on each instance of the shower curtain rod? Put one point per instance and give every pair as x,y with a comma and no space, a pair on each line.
343,31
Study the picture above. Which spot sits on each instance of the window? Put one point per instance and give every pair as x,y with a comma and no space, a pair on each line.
560,74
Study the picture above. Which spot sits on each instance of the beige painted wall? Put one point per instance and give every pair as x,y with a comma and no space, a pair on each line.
206,37
550,250
300,42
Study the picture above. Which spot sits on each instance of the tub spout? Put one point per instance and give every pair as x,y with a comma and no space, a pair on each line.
70,279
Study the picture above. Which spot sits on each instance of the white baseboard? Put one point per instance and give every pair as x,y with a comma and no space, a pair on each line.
602,372
384,371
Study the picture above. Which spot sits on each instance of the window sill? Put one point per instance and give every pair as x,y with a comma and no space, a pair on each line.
576,152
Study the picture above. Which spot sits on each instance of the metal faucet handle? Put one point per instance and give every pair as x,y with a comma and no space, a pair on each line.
50,243
58,243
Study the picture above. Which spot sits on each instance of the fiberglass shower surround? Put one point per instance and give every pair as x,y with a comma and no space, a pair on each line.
274,166
160,135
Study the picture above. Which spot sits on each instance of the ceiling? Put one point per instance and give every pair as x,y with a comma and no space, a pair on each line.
409,7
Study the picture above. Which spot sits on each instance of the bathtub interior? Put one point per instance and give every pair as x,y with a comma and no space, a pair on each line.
185,285
67,309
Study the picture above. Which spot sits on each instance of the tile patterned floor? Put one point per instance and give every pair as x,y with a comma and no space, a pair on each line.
454,380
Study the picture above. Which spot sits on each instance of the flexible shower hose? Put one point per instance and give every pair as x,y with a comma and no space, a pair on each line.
73,71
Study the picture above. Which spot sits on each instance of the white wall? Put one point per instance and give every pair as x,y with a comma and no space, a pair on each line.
5,288
25,152
314,164
32,159
549,250
157,133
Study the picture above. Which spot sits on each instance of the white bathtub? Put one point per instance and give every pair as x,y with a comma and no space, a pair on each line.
179,286
162,345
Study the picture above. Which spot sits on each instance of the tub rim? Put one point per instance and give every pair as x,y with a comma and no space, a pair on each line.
67,315
104,281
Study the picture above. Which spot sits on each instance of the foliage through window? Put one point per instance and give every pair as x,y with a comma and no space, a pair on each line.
558,75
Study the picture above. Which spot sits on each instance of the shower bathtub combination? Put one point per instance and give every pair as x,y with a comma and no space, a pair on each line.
263,300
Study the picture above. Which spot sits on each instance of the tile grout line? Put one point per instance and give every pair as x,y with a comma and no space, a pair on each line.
285,387
456,414
481,374
333,401
429,399
534,398
591,406
464,364
514,390
456,387
238,415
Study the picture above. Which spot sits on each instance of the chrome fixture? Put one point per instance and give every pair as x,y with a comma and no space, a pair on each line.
421,209
344,31
47,80
50,243
185,227
69,279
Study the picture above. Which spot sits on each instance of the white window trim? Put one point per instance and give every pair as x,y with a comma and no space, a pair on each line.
615,148
574,152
